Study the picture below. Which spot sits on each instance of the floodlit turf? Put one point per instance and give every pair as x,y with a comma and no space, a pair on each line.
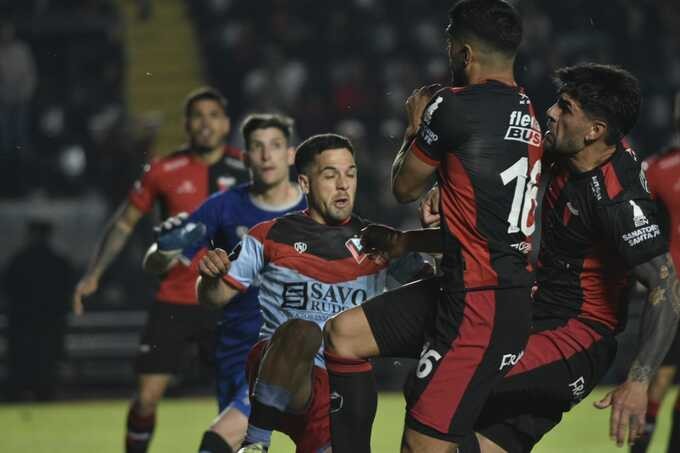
97,427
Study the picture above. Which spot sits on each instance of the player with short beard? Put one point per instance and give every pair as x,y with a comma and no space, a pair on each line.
179,182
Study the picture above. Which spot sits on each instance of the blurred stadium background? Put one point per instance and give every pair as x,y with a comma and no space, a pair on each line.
100,90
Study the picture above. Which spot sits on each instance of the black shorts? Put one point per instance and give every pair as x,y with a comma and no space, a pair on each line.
560,366
467,341
170,329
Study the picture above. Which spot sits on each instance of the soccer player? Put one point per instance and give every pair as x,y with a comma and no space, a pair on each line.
484,143
310,266
600,228
227,217
663,176
179,182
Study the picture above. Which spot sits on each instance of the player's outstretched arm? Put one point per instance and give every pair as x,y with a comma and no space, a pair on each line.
113,240
211,288
172,236
392,243
659,322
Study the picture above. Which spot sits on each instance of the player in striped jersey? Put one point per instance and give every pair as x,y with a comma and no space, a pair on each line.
310,266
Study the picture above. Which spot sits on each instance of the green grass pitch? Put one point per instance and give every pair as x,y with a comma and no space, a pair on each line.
97,427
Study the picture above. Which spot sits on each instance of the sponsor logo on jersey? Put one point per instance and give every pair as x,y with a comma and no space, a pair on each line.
641,235
300,247
522,247
523,127
639,217
186,187
596,187
578,389
427,117
321,297
510,360
428,135
225,182
354,247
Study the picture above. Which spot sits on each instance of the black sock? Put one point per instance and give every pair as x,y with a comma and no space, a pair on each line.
214,443
642,443
354,400
139,431
469,444
674,441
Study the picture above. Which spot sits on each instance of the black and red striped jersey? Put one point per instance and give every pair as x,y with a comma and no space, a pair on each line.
180,182
487,145
663,177
597,226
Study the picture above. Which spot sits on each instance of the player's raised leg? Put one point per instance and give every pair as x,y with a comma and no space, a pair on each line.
284,380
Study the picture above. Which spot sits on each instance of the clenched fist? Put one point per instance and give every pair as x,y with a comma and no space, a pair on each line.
214,264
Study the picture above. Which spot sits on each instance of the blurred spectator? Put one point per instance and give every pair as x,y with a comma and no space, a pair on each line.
38,282
17,85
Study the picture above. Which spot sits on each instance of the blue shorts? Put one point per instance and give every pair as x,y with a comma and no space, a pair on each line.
235,339
232,393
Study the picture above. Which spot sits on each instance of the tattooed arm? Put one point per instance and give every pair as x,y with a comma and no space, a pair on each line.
660,316
659,322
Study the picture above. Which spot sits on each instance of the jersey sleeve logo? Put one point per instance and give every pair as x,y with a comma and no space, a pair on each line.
427,117
639,218
354,247
300,247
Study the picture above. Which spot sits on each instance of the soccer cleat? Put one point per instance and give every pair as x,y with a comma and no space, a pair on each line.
181,237
257,447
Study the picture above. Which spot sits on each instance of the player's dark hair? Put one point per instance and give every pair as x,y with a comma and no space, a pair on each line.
495,23
266,120
605,92
316,144
201,94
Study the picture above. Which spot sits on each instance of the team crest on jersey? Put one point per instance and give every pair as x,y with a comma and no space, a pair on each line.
300,247
639,218
354,247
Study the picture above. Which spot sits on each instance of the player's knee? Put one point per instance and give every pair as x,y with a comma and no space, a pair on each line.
336,337
298,337
149,397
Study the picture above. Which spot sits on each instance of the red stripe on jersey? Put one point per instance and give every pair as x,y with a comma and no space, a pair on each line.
236,153
457,368
602,286
421,155
460,213
260,232
231,281
312,266
556,186
611,180
549,346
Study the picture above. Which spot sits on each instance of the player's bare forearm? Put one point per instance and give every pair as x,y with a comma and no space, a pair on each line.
159,261
398,163
660,316
427,240
114,239
411,177
214,292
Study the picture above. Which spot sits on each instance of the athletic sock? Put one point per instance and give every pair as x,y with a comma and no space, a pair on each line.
642,442
139,430
674,441
268,407
354,400
213,443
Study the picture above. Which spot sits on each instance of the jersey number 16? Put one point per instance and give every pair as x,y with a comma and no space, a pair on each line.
524,200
